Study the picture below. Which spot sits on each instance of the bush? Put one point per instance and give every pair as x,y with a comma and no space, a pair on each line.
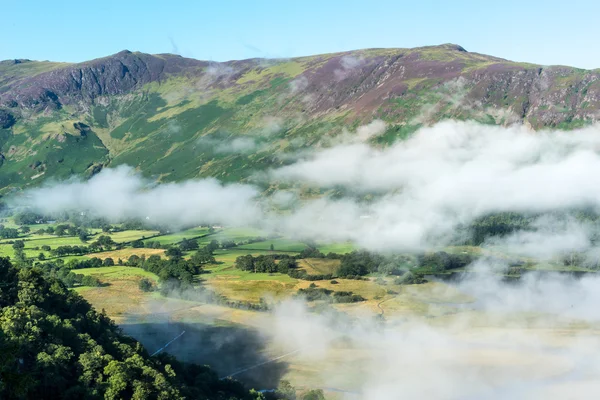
88,280
145,285
410,279
108,262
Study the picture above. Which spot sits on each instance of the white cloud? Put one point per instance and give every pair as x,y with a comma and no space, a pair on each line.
120,193
348,65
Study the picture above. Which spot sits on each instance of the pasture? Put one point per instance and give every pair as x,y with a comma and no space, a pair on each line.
279,245
173,238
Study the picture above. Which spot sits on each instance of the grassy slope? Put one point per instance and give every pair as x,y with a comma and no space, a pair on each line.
168,131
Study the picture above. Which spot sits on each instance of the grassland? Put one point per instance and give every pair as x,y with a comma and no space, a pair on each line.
280,244
179,236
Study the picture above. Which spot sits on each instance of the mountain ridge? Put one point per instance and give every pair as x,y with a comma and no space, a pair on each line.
173,117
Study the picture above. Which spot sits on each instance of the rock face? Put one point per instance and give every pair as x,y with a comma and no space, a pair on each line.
361,81
177,118
83,83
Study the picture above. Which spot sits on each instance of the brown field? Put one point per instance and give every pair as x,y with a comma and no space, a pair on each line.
317,266
491,346
120,298
124,254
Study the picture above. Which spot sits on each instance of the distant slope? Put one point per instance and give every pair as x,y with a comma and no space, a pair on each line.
176,118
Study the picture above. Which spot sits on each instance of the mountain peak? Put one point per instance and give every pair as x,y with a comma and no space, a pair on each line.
452,46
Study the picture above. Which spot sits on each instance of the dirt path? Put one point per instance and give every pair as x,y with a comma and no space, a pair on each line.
383,301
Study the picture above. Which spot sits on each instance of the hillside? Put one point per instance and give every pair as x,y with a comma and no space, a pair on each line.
175,118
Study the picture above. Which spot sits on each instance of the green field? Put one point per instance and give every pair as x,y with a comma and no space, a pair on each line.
225,270
339,248
177,237
130,236
234,234
228,256
278,245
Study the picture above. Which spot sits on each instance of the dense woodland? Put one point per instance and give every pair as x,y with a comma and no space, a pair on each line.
55,345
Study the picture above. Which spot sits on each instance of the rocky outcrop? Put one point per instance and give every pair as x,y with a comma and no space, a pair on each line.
437,82
83,83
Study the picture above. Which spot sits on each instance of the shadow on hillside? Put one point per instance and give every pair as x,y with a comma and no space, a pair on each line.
227,349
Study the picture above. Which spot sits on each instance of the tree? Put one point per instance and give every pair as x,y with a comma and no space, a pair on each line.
285,391
245,263
18,244
25,229
174,253
188,244
105,241
272,247
286,264
134,261
212,246
227,244
145,285
55,345
108,262
203,256
46,247
41,257
83,235
61,230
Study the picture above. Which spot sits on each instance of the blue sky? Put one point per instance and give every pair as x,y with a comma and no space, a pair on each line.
545,32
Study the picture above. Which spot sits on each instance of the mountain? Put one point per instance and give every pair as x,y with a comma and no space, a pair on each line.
175,118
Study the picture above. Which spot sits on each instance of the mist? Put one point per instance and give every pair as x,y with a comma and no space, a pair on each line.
499,340
411,195
510,341
119,193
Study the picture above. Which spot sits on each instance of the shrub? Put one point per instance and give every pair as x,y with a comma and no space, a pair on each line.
145,285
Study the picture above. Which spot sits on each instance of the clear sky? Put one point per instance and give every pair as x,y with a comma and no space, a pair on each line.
545,32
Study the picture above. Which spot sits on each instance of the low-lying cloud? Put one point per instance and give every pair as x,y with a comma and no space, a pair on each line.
525,340
119,193
411,195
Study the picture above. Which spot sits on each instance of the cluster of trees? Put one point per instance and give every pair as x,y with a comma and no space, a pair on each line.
441,261
28,218
55,345
356,264
410,278
499,224
314,293
267,263
359,263
8,233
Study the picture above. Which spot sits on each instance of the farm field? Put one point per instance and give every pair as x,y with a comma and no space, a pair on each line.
278,245
340,369
233,339
124,254
179,236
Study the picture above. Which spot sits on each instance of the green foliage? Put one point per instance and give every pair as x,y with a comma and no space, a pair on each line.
55,345
441,261
410,278
359,263
315,394
314,293
145,285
